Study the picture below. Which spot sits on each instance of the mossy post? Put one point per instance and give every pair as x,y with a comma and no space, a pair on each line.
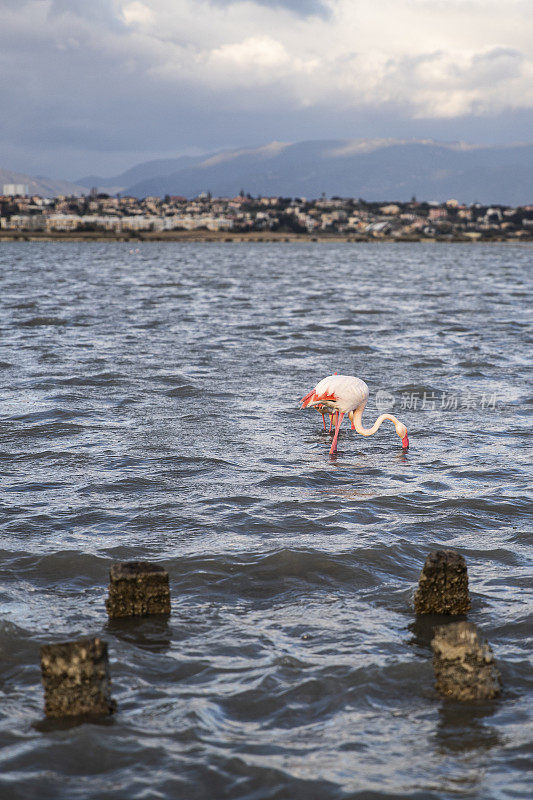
443,585
137,589
76,681
464,664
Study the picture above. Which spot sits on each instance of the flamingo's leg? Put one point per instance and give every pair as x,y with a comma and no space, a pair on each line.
337,426
324,420
330,422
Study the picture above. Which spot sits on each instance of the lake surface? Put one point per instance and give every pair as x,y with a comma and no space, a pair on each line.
149,410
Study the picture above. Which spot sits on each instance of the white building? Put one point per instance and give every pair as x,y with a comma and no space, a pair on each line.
62,222
15,189
24,222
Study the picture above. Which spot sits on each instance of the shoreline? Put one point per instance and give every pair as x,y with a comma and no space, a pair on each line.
241,236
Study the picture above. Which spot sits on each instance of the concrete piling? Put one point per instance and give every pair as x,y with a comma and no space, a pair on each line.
75,677
137,588
443,585
464,664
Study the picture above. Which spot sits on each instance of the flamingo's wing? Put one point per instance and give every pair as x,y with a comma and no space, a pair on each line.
307,399
313,397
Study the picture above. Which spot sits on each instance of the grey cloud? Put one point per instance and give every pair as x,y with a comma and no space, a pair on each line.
500,63
99,11
75,99
148,128
500,52
303,8
88,131
489,68
18,3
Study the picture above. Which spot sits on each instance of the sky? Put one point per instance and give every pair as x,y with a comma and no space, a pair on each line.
96,86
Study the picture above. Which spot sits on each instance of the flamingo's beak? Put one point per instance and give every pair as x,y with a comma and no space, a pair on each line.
405,442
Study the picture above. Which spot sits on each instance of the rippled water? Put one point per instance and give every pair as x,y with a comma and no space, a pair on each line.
150,411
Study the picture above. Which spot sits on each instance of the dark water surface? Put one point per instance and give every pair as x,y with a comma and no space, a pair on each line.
150,411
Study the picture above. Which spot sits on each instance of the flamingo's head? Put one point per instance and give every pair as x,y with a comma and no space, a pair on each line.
401,430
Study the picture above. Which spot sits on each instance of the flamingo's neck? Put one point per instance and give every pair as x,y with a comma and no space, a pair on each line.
357,421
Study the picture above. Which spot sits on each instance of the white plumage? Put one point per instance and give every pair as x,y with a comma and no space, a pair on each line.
345,394
349,391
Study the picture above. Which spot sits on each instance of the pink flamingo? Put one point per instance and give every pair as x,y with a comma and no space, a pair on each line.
345,394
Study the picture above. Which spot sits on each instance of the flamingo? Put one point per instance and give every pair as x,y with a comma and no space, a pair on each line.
346,394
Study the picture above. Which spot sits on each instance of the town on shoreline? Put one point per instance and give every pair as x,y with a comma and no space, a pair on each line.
207,218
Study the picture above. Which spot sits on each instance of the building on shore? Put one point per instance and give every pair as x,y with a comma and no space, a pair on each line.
16,189
129,216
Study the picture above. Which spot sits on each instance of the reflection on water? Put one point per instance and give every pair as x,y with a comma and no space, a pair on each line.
464,728
149,633
464,740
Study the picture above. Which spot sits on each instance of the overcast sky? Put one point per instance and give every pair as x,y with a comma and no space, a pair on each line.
95,86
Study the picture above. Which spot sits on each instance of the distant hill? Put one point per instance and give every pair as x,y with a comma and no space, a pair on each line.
141,172
45,187
371,169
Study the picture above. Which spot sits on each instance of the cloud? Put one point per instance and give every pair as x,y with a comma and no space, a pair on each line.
126,78
136,13
257,51
454,83
304,8
16,3
100,11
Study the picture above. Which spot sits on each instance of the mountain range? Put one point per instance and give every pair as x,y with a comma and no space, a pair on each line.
375,170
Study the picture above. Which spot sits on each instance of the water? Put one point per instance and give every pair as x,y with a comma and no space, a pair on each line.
150,411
